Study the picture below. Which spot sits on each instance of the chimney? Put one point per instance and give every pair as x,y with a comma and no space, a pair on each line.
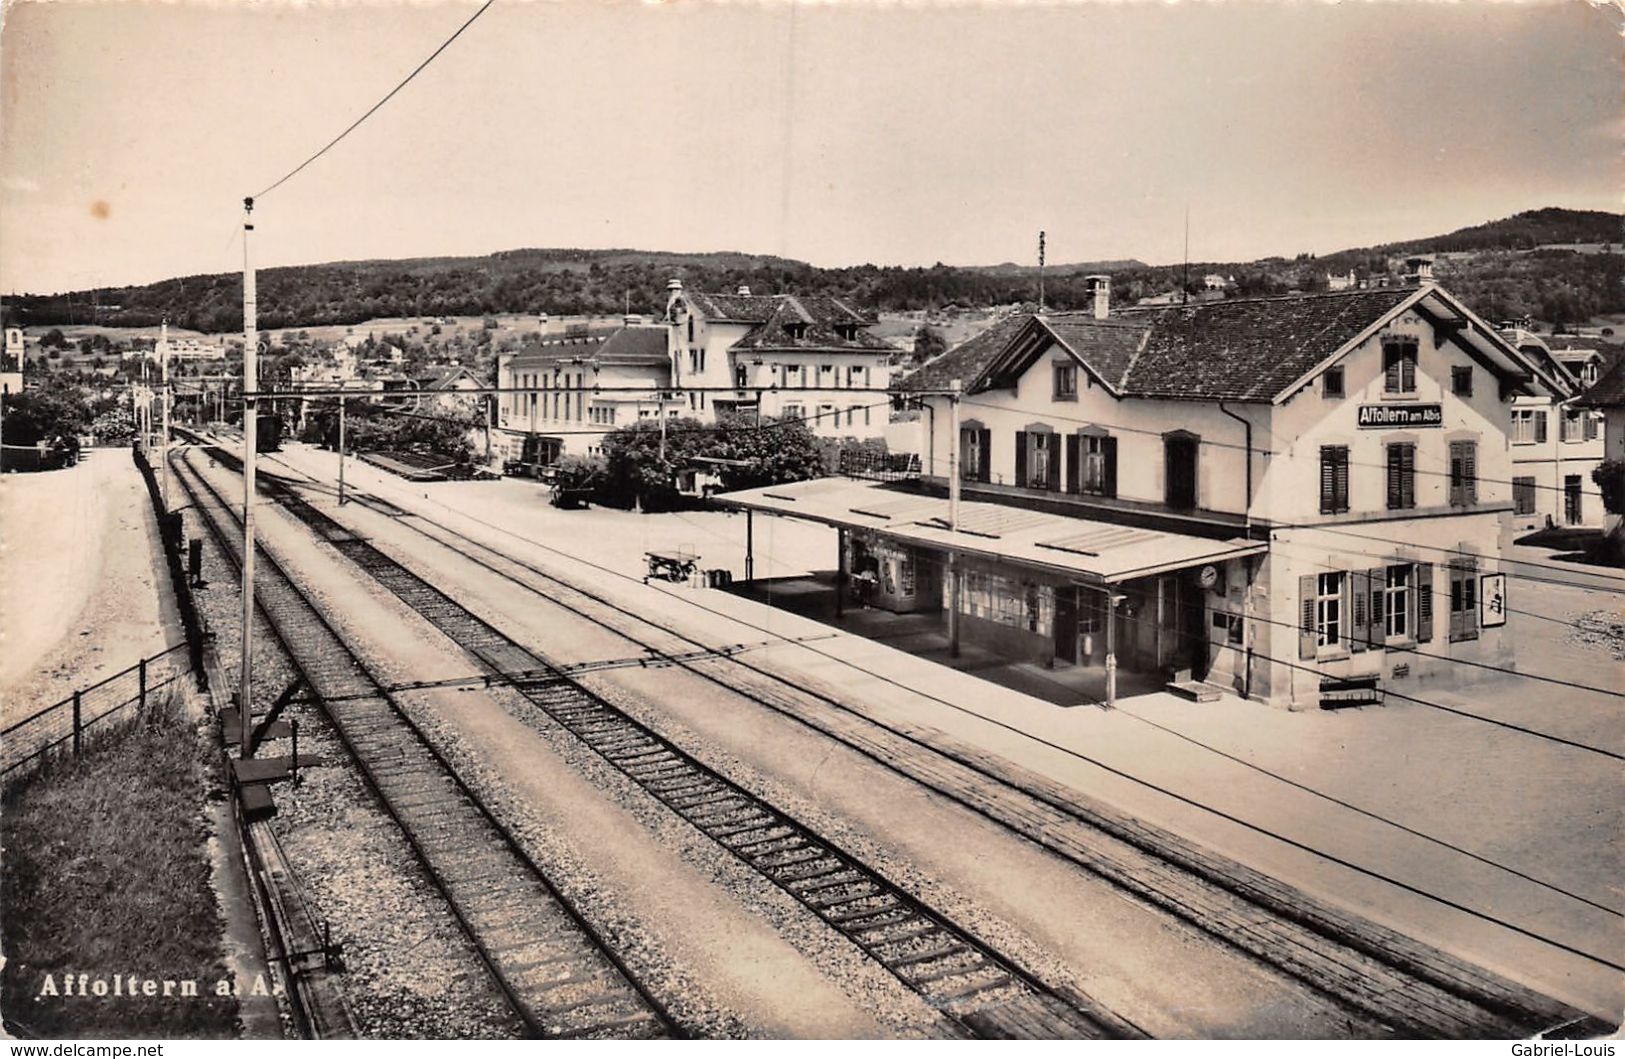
743,290
1424,272
1101,287
674,288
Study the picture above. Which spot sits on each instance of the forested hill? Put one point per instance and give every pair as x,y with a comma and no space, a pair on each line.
1495,267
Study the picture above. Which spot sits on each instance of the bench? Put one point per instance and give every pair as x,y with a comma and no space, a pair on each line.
1344,693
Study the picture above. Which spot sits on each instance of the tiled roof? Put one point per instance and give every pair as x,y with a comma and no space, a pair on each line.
634,345
1609,391
1242,349
771,313
966,361
442,378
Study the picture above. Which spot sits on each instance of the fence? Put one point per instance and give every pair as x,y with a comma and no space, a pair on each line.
70,719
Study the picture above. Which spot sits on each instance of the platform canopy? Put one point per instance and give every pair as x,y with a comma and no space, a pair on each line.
1077,548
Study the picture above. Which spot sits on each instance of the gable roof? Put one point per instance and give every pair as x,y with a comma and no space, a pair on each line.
1608,391
1239,349
634,345
444,378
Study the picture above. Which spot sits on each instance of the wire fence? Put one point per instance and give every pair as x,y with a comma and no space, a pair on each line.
70,720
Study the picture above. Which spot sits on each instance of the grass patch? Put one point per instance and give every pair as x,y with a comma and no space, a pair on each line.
106,873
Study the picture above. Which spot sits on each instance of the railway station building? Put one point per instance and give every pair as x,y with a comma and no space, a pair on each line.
1299,500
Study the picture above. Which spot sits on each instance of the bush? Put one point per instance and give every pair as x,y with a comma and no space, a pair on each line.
1610,478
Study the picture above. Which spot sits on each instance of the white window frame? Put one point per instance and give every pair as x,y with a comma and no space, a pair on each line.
1398,584
1331,624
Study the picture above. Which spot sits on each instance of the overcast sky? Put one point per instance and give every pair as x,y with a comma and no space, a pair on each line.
838,133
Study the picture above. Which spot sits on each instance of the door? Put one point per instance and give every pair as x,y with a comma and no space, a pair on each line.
1571,499
1179,470
1066,625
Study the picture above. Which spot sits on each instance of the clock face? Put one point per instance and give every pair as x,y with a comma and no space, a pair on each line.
1210,576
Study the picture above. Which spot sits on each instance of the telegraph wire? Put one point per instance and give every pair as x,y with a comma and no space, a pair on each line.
374,108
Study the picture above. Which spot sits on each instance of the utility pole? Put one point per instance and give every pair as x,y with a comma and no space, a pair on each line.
251,351
342,403
163,362
1040,270
953,519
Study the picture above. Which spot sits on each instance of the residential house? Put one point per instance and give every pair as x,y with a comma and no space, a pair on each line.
808,356
1607,398
1288,497
1555,443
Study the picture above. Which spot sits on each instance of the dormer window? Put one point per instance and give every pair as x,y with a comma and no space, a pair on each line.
846,332
796,329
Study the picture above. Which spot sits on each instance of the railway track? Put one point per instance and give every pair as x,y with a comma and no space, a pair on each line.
982,991
559,975
1404,984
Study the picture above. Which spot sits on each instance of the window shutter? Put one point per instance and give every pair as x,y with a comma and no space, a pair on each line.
1074,474
1390,366
1357,592
1306,629
1021,457
1054,462
1379,620
1328,480
1108,456
1590,427
984,469
1342,483
1540,427
1469,462
1407,362
1393,477
1423,596
1407,462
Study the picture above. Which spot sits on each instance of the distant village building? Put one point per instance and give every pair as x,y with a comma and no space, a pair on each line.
1339,283
1296,499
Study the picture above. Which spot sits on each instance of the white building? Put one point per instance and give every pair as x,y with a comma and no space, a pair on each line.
806,356
1299,499
1555,443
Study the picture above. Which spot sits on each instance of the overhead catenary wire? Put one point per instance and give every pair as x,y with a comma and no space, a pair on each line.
375,107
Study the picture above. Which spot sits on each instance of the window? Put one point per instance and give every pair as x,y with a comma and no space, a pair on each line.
1461,380
1523,495
1334,479
826,414
1573,426
1571,499
1096,465
1331,383
1038,459
1464,599
1401,475
1463,473
1328,610
1399,365
792,411
973,453
1528,426
740,376
856,376
1066,381
1042,464
1591,420
826,376
1395,602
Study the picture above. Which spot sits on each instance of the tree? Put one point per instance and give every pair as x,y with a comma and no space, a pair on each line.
57,410
53,339
928,343
778,450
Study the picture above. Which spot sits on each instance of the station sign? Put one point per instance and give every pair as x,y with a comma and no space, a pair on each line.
1388,416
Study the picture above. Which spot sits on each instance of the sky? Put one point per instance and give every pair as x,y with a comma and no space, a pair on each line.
834,132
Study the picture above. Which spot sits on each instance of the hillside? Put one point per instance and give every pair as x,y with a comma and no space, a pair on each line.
1494,266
